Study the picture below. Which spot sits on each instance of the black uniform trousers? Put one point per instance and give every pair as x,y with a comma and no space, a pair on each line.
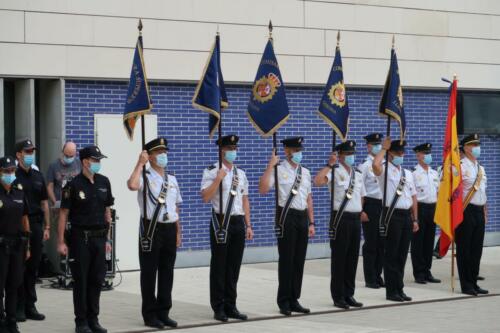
422,243
469,237
159,261
397,244
87,257
225,265
27,292
373,246
345,254
292,248
11,275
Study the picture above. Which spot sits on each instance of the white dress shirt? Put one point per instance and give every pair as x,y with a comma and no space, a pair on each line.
469,174
405,201
370,181
342,181
209,175
426,183
286,176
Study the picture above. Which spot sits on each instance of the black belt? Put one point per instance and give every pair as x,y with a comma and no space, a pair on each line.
427,205
297,212
162,224
350,215
373,201
91,231
399,211
475,207
10,241
35,218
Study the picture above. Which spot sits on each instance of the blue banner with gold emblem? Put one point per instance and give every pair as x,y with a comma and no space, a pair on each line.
138,101
268,108
210,94
334,108
391,103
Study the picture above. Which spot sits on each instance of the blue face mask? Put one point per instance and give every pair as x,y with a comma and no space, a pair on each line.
8,178
28,160
95,167
376,149
476,151
427,159
162,160
397,160
68,160
230,155
349,160
297,157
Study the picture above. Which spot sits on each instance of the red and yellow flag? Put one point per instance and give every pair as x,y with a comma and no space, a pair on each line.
449,208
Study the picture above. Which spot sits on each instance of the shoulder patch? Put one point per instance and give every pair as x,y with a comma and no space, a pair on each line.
414,168
211,167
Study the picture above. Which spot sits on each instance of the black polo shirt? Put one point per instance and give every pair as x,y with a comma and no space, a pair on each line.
13,207
34,188
87,202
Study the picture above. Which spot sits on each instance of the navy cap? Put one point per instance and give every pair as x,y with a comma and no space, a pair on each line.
228,140
374,138
24,145
423,148
7,162
470,139
158,143
91,152
346,147
293,142
398,146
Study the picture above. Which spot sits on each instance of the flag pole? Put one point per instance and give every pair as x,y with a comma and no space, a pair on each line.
143,142
219,127
334,136
453,238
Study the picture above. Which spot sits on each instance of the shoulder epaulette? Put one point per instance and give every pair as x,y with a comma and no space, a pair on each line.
357,170
211,167
171,173
414,168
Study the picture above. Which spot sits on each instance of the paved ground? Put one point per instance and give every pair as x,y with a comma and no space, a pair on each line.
435,308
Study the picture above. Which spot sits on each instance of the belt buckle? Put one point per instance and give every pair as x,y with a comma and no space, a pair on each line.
233,192
294,191
161,200
349,195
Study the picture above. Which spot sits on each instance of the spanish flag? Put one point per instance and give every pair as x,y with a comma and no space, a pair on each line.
449,208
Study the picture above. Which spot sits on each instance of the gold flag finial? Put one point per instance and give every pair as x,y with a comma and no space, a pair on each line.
338,38
270,27
139,26
393,40
455,76
217,29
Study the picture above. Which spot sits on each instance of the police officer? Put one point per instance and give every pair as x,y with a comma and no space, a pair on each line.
373,246
86,203
163,199
295,218
422,244
469,235
346,225
227,239
14,222
34,187
400,215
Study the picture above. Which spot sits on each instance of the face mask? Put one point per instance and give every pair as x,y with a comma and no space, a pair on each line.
28,160
397,160
376,149
427,159
162,160
349,160
476,151
297,157
8,178
68,160
230,156
95,167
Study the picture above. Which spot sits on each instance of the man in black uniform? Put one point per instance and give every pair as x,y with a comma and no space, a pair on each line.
33,185
13,223
87,200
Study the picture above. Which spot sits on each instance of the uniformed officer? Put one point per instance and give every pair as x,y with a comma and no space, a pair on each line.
227,239
469,235
163,199
86,203
400,215
14,223
295,221
422,244
346,224
34,187
373,246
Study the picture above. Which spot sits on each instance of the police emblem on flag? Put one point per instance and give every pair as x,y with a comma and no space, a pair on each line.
337,94
265,88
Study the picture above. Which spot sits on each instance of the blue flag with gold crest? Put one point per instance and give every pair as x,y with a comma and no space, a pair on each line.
210,94
391,103
138,101
268,107
334,108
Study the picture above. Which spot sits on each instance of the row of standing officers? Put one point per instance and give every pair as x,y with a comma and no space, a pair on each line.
85,201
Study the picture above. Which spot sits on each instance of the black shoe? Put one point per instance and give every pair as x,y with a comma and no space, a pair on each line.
341,304
395,298
33,314
405,297
286,311
480,278
470,292
432,279
373,285
20,314
436,255
95,327
420,281
83,329
352,302
220,316
296,307
11,327
154,323
481,291
380,281
235,314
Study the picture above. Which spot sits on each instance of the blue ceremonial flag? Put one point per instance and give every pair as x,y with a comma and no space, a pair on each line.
268,108
210,94
138,101
391,103
334,108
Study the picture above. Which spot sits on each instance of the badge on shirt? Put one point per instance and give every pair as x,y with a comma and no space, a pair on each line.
342,178
20,187
284,175
81,195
